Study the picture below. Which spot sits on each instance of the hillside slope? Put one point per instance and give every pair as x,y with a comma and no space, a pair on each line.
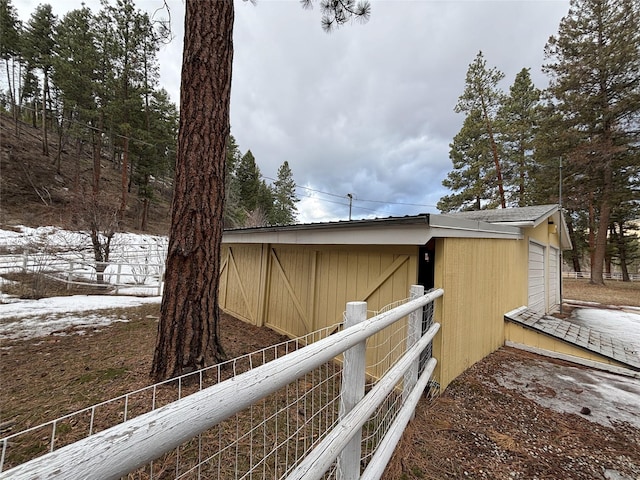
33,194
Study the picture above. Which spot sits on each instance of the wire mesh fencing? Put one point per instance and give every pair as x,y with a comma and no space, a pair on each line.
267,440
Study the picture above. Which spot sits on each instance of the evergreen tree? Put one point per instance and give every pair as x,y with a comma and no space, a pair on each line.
154,147
284,197
470,179
262,214
129,28
234,215
10,49
74,71
593,67
38,48
248,177
188,330
519,117
482,94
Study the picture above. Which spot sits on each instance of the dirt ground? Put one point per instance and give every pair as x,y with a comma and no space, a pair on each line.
612,293
476,428
479,429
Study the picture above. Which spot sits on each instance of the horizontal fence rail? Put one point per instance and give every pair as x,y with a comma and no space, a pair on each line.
121,449
634,277
136,276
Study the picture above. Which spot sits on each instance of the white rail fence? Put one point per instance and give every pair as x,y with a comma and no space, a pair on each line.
302,409
634,277
136,270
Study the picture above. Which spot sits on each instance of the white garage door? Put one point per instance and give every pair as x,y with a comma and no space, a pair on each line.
554,278
536,277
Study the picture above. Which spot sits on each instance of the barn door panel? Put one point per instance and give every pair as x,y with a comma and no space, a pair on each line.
289,302
240,282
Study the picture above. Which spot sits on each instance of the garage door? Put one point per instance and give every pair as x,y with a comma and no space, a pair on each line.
554,278
536,278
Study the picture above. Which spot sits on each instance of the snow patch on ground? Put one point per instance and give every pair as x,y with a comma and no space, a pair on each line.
22,319
568,389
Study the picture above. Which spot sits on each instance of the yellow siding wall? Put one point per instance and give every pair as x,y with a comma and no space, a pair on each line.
240,281
518,334
545,234
297,289
482,279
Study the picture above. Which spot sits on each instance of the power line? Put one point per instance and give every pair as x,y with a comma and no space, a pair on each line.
358,199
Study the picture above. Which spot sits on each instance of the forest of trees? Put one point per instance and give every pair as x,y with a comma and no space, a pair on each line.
95,78
514,147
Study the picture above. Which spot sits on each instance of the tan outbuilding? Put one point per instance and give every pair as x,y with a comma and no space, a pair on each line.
297,279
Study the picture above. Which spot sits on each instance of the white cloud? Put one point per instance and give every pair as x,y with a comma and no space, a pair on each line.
368,108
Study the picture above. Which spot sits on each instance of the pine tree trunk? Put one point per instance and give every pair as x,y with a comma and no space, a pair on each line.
125,172
188,336
494,151
622,251
97,153
603,224
12,96
575,255
592,230
45,140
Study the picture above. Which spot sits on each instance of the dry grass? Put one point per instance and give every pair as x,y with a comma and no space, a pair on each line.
612,293
475,426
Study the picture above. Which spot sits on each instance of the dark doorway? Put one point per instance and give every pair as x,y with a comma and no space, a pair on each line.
426,263
426,278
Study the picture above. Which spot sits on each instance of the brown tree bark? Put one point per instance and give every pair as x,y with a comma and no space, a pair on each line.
622,251
124,172
599,252
494,151
96,135
188,337
575,255
45,140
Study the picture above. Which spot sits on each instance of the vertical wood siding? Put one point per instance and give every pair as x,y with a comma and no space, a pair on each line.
240,281
296,289
481,280
305,288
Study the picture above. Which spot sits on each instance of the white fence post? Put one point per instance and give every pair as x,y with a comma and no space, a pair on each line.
353,378
414,331
160,278
70,275
25,256
118,278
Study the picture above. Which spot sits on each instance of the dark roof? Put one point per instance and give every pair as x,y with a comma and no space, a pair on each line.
507,215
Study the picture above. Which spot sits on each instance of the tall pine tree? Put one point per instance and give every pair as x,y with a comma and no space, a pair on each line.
188,330
481,94
10,49
593,67
38,48
284,197
473,171
519,118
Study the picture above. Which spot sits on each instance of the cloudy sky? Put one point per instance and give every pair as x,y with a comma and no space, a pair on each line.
366,110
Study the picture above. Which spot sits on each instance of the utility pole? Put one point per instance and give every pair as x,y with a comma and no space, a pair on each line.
560,231
350,203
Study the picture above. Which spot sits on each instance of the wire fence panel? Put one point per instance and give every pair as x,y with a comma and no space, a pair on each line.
264,436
